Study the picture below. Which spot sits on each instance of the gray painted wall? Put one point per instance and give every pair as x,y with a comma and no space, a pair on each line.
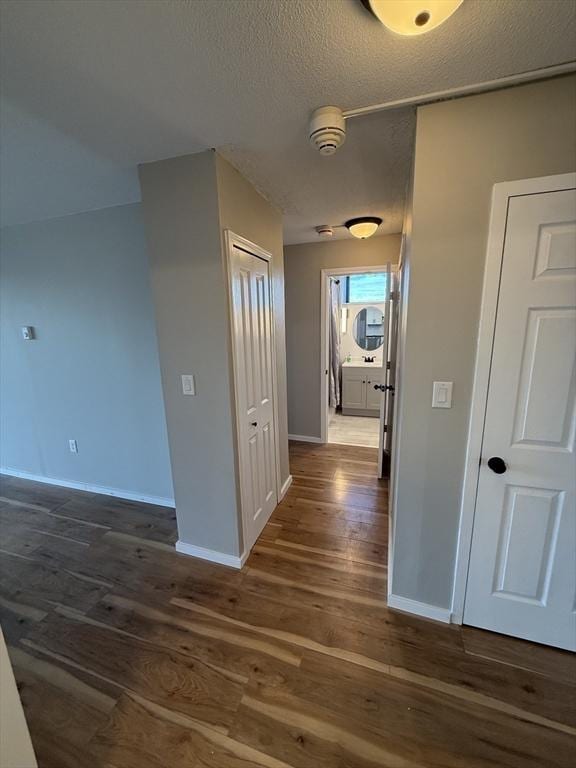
463,147
92,373
180,201
302,267
248,214
188,202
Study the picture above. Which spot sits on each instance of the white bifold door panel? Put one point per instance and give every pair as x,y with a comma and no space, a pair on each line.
522,571
253,360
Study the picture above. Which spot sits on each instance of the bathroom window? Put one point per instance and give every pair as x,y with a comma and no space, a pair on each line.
365,289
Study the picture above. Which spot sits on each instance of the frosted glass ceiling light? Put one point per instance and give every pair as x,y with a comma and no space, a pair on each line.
363,227
412,17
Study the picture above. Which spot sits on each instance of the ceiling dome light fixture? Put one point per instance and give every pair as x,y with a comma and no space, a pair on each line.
412,17
363,227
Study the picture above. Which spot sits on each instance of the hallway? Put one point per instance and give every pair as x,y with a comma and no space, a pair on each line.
335,511
129,655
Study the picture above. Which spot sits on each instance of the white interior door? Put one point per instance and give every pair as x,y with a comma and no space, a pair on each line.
385,361
253,359
522,571
390,372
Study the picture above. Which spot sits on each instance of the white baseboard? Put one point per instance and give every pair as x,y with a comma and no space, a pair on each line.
285,486
160,501
305,438
232,561
426,610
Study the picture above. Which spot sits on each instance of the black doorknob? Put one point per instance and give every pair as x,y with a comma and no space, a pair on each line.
497,465
384,387
254,423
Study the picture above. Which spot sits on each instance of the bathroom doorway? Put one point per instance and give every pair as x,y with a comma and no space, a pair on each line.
357,322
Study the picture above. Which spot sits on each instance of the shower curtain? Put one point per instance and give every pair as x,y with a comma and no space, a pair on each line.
334,344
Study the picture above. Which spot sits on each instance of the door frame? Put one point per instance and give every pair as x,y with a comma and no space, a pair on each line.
501,194
233,240
325,274
403,280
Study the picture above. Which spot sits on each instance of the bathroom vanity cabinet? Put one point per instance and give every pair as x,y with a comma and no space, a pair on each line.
359,398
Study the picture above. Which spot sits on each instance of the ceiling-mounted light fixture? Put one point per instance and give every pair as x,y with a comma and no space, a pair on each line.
363,227
412,17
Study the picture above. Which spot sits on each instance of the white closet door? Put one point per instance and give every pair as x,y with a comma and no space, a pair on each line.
254,382
522,572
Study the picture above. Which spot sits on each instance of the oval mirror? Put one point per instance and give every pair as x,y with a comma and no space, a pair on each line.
369,328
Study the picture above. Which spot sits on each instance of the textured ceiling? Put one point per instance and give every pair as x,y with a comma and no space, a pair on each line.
91,88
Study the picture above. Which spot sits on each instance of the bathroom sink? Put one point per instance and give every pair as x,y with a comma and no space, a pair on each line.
362,364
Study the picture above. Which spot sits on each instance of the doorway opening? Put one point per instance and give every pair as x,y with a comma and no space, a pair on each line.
357,347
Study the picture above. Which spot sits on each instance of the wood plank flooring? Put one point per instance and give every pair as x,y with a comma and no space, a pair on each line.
128,655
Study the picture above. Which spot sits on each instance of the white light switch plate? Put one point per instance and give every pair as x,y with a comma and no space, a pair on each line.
442,394
188,385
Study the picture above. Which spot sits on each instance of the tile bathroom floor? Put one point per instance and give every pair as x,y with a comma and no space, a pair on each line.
353,430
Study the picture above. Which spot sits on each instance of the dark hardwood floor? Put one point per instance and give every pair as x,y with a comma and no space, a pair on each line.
128,655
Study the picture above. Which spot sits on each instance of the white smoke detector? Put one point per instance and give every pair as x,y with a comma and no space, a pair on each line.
325,230
327,129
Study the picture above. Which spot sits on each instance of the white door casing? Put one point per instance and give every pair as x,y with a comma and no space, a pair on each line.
325,275
398,355
253,353
392,361
522,565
